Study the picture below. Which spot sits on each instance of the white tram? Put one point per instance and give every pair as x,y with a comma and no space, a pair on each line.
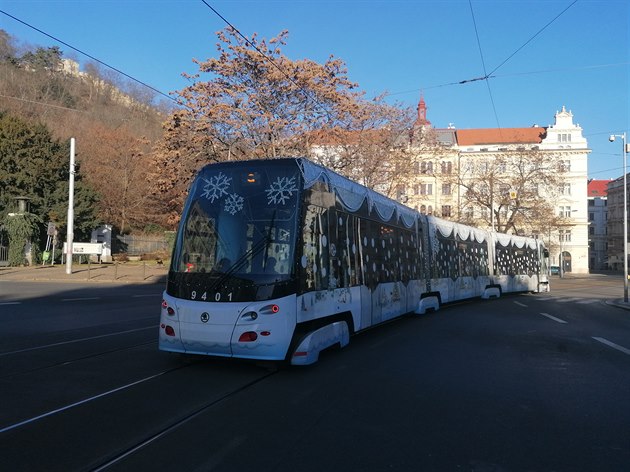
280,259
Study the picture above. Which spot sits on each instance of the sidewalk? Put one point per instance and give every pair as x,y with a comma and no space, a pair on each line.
619,303
127,272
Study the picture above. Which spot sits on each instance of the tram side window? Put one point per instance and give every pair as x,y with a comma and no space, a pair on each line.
315,251
354,251
466,263
407,256
481,253
372,251
418,255
335,275
346,250
446,258
505,260
390,253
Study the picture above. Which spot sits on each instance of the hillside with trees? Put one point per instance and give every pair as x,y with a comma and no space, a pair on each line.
44,101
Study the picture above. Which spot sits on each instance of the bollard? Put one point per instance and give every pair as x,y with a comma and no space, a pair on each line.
116,271
144,270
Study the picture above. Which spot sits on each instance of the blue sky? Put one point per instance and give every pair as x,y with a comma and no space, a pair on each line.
581,60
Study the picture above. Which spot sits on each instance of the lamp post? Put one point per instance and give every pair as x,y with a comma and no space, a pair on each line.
624,150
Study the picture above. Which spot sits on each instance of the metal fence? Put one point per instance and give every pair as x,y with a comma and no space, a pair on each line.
141,244
4,256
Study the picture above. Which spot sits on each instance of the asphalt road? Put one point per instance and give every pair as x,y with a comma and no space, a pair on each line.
522,383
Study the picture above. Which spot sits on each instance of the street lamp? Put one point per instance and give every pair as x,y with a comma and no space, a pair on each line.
624,150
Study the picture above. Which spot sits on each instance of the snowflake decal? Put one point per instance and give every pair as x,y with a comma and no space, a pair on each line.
281,190
234,204
216,187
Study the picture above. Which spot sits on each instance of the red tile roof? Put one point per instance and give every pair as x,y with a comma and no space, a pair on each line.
470,137
598,188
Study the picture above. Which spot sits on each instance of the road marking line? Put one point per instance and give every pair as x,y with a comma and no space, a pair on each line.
521,304
76,341
612,344
10,303
81,402
553,318
79,299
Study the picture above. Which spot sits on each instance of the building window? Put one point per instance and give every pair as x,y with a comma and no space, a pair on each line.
426,167
564,211
591,231
426,189
565,235
447,167
532,188
446,211
591,217
446,189
565,189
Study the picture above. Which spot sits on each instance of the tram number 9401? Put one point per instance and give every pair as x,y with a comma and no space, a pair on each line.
218,296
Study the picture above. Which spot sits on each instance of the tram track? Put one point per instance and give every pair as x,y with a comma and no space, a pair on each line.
87,400
68,362
72,341
178,423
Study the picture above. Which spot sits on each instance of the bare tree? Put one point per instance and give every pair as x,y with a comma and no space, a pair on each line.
260,104
512,191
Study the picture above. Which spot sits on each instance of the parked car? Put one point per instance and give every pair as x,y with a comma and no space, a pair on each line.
554,270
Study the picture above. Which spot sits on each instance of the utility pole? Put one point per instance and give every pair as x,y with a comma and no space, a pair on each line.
70,234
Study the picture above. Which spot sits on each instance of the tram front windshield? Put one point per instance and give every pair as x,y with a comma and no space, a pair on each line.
239,225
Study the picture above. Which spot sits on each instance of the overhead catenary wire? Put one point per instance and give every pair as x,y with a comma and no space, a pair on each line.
491,74
36,102
533,37
483,63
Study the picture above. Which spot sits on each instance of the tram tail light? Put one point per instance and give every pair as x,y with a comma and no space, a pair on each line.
169,309
169,331
248,337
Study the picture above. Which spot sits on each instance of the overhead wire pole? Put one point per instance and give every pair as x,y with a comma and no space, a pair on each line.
70,231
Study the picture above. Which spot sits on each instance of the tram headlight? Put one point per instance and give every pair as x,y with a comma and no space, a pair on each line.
252,315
